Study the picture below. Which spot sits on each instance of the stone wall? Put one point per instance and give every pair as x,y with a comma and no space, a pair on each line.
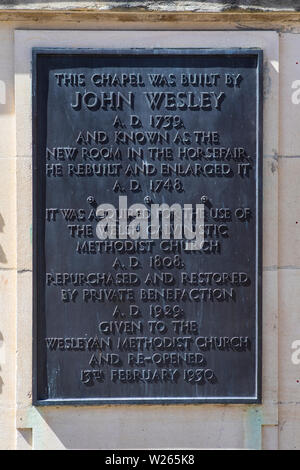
275,423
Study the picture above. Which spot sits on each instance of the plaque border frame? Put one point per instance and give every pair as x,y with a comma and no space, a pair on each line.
37,260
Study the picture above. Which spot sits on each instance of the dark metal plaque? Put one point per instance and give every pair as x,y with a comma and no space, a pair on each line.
147,225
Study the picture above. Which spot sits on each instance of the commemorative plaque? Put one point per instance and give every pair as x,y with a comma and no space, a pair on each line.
147,225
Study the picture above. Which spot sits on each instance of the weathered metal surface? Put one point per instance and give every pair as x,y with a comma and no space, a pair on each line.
124,313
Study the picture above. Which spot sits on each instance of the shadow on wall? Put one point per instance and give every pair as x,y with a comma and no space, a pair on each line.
267,4
7,104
